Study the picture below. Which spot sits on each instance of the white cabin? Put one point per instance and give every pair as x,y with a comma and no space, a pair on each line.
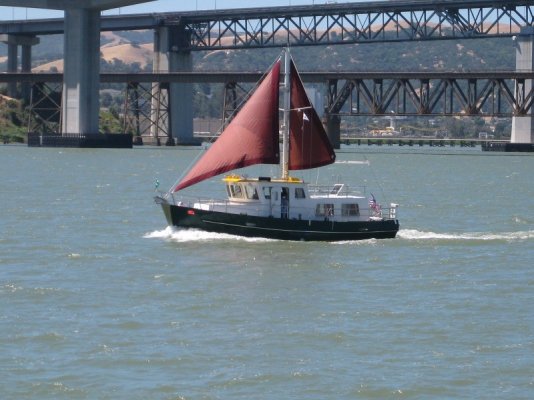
291,198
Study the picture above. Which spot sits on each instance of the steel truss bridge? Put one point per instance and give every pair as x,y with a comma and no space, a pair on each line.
496,93
356,23
501,94
320,24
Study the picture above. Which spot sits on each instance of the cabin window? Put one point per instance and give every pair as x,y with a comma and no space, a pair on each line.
324,210
236,192
351,209
299,193
267,192
251,192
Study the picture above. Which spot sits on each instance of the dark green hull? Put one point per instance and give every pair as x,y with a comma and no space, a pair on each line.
277,228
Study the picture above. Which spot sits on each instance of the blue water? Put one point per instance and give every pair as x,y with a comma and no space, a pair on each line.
100,300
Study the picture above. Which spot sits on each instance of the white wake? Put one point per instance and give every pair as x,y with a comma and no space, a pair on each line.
413,234
195,235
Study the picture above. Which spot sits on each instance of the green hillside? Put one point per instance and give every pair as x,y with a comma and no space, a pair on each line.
12,117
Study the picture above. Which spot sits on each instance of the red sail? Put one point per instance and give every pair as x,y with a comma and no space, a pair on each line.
309,146
250,138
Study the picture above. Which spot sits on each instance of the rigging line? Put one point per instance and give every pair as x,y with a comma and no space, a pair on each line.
377,180
317,176
200,153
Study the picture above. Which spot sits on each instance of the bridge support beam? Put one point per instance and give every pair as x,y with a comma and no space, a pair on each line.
13,42
80,103
333,129
168,57
523,127
332,120
12,66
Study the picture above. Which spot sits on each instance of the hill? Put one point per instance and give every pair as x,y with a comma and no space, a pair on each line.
134,48
475,54
126,54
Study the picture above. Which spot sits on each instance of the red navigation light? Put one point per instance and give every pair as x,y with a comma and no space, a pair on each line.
190,212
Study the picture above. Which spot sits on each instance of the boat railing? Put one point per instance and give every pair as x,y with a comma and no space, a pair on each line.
340,215
219,204
383,213
295,212
337,190
191,201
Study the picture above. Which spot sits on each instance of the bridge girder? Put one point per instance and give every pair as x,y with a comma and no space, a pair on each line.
447,96
357,23
502,94
324,24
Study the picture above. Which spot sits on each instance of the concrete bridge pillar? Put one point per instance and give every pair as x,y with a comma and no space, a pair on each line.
13,42
523,127
80,103
170,56
26,66
12,66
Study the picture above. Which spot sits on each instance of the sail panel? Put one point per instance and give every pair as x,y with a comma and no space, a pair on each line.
309,146
250,138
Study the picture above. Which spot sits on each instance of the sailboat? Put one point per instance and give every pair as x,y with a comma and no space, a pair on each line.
284,207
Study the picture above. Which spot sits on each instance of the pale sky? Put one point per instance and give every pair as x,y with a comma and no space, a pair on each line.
20,13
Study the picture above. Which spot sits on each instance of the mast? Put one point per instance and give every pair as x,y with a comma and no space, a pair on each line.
286,114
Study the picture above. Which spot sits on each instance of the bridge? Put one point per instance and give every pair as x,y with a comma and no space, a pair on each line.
495,93
179,34
318,24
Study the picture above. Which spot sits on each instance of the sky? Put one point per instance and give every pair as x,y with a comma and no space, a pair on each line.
21,13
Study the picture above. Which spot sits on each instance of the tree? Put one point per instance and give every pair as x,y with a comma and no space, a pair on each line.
455,127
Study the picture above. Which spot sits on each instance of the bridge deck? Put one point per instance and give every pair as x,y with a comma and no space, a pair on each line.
225,77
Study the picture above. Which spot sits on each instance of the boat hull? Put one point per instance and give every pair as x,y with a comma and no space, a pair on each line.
277,228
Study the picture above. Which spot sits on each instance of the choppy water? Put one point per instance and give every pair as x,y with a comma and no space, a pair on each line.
100,300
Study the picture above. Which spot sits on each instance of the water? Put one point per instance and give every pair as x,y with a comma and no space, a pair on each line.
99,300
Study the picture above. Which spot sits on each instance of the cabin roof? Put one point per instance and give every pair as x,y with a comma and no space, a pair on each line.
239,178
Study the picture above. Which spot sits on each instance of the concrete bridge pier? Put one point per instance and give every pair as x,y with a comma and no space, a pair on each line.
25,42
170,56
81,72
523,127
